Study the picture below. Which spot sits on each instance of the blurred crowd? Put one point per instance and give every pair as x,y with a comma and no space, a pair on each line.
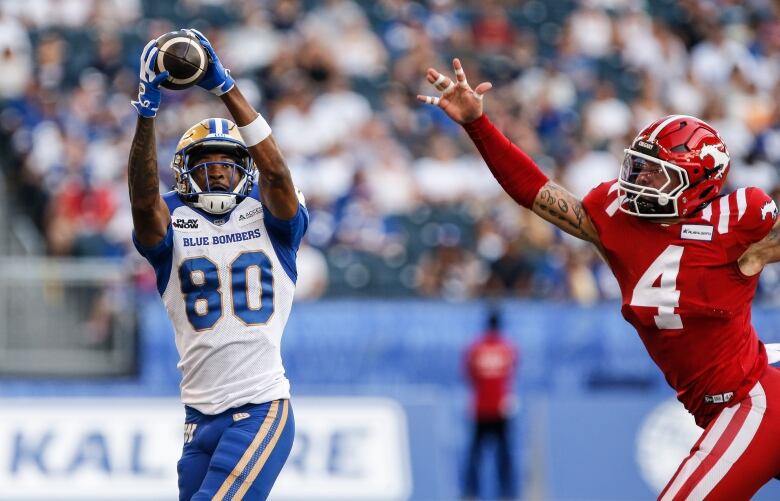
400,202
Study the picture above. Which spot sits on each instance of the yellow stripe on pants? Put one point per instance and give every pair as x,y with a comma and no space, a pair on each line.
259,437
264,456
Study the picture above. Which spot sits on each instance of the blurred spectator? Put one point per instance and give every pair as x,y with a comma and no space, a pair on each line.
449,271
337,79
15,58
591,30
312,273
491,362
512,273
253,44
606,117
342,27
442,174
493,30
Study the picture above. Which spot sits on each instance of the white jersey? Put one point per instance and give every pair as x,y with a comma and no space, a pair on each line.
228,282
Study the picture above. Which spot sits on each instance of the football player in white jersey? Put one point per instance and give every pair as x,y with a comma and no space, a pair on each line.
223,247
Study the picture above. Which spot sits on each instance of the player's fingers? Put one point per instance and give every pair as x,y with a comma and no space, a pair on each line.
428,100
159,78
482,88
198,34
460,75
434,77
151,58
443,84
147,48
204,42
149,67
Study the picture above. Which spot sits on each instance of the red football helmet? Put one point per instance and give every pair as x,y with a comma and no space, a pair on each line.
674,166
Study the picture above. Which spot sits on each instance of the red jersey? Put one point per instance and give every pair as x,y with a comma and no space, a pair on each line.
491,363
683,292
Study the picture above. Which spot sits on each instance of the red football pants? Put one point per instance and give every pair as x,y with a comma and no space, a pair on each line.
738,452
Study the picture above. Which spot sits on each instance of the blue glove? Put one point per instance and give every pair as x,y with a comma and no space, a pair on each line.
149,94
217,79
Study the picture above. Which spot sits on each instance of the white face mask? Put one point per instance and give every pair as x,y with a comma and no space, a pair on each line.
650,187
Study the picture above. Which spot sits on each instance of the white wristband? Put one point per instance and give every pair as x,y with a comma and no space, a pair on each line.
256,131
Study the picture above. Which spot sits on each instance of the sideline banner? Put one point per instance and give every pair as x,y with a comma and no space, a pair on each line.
347,448
89,448
109,449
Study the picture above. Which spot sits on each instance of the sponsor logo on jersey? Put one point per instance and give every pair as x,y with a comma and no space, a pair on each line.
720,398
185,224
769,209
238,416
250,216
696,232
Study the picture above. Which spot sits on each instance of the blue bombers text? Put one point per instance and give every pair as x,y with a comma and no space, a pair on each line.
222,239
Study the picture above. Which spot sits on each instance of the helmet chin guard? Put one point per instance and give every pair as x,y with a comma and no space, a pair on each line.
216,204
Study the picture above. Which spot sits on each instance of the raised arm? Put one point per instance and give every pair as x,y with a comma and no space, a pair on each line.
276,186
515,171
150,214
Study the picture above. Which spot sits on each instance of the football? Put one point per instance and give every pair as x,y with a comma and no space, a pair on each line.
185,59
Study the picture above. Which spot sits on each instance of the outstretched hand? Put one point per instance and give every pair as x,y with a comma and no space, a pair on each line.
149,95
217,79
458,100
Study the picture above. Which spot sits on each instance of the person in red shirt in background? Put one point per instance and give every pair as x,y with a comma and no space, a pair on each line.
491,362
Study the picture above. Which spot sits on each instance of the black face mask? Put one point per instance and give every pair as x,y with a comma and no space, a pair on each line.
648,206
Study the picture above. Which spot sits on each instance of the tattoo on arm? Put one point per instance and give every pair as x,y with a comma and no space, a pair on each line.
560,208
773,236
142,176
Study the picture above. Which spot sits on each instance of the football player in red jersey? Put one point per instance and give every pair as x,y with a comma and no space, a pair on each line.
491,362
687,258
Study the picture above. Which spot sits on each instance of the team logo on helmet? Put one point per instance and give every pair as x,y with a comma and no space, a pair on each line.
720,159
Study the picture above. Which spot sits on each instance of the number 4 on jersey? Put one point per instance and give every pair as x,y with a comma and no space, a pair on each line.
665,296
